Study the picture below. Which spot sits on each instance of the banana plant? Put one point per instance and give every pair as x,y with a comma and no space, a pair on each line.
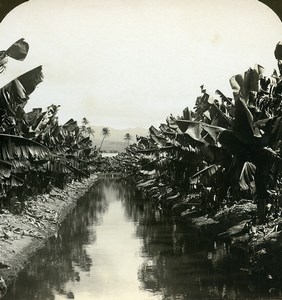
17,51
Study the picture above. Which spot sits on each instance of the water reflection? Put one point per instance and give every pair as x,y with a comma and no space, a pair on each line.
115,245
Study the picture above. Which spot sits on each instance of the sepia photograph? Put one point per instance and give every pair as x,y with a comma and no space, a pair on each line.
140,149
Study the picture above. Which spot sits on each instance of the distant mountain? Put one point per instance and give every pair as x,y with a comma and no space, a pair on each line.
115,142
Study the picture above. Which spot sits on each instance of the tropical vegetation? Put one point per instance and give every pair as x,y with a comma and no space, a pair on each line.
127,138
37,152
223,150
105,133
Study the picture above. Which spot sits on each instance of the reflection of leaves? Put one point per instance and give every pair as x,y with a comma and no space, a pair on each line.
65,255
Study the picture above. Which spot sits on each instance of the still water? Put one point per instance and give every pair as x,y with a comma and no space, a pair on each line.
115,245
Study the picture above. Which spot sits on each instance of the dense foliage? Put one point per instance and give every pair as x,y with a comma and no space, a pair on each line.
36,152
222,150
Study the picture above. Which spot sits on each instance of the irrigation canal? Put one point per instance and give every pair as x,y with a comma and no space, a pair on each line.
116,245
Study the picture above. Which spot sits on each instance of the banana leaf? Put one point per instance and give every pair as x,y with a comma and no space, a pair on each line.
229,141
202,104
243,123
154,150
224,98
3,61
203,175
70,125
16,92
187,114
21,166
31,79
276,133
18,50
57,167
247,178
5,169
48,118
16,147
223,119
171,122
278,51
77,171
244,84
200,131
154,131
159,140
32,117
13,181
165,129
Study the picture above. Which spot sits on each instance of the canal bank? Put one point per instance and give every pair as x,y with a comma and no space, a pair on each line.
256,247
117,245
23,233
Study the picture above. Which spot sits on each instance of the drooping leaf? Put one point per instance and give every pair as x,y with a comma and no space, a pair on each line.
16,93
70,125
276,133
224,98
5,169
199,131
159,140
246,180
223,119
56,167
243,84
3,61
154,131
204,174
243,123
13,181
278,51
13,146
18,50
32,117
187,114
31,79
202,104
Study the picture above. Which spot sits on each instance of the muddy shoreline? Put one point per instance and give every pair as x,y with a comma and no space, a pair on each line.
22,234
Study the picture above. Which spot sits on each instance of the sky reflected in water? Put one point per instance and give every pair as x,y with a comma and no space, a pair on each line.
116,245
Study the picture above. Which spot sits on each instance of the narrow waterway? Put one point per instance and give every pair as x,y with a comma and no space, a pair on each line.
115,245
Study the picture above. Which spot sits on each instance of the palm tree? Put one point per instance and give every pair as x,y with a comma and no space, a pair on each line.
86,130
105,133
127,138
90,131
85,122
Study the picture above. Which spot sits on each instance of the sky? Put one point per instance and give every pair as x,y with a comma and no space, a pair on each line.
130,63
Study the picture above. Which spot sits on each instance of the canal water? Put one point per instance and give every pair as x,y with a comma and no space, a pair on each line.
116,245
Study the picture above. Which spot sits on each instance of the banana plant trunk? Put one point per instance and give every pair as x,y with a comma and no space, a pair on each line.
261,181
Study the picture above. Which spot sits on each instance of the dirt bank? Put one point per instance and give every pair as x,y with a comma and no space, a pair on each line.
22,234
234,225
